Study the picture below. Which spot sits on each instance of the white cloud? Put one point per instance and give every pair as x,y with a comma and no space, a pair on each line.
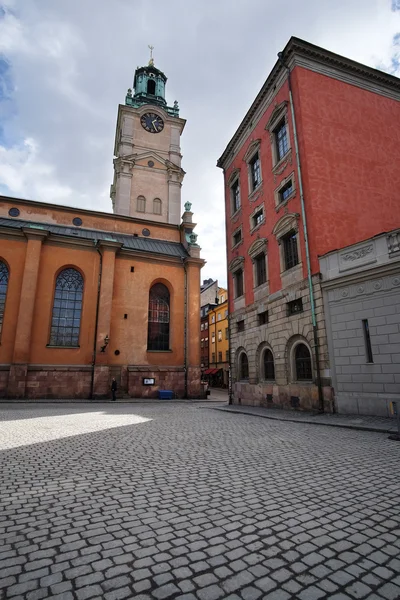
71,64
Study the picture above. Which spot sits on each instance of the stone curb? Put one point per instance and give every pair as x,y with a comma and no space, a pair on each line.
309,421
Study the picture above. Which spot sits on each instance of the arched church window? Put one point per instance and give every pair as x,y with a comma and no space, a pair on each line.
151,87
67,309
141,204
157,206
158,329
3,291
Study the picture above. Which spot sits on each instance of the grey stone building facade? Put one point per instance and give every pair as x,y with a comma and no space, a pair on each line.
270,338
361,293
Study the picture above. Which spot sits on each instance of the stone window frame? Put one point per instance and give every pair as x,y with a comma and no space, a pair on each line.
257,248
159,318
157,202
254,226
278,202
234,233
261,350
68,280
292,345
235,177
280,113
139,200
237,264
252,150
286,224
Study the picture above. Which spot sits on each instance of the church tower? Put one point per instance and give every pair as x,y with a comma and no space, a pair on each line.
147,168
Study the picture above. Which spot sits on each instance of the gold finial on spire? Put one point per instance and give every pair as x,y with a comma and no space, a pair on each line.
151,61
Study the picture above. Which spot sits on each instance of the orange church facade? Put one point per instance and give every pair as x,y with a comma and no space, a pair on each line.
116,267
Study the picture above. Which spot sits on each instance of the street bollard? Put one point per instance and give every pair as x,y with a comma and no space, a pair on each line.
395,410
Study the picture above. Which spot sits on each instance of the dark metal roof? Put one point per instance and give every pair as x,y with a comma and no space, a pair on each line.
141,244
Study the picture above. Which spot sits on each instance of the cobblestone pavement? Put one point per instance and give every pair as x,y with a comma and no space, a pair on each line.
181,501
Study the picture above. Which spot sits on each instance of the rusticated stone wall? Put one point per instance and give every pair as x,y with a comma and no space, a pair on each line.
58,382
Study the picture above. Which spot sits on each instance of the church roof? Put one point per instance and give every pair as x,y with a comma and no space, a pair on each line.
131,242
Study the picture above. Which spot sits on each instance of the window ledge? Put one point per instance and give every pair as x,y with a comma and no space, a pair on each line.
158,351
236,213
54,346
285,202
281,165
237,245
254,192
292,269
257,226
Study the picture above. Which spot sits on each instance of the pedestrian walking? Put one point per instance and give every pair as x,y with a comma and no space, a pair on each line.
114,389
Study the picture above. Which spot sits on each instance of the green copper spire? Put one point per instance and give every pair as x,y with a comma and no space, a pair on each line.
149,88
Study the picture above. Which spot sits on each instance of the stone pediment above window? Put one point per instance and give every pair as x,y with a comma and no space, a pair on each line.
257,247
234,175
279,111
236,264
289,222
252,149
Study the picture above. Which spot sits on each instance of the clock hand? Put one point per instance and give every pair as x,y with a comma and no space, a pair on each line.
153,124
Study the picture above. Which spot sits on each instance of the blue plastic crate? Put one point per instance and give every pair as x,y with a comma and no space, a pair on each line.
166,394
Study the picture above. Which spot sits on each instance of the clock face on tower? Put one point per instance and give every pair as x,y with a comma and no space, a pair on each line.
152,122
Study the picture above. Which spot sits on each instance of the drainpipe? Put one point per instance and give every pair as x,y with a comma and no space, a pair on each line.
303,215
185,328
97,320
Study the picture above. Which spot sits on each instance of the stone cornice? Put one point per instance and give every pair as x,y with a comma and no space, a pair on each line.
372,272
150,257
35,233
300,53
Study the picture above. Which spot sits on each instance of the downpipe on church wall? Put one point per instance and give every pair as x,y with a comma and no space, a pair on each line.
185,292
97,320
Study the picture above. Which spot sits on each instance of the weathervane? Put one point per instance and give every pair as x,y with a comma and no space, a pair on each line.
151,61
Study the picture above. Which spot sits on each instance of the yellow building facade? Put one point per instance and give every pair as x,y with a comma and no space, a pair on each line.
218,329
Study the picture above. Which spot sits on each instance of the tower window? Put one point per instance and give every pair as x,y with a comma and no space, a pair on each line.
141,204
151,87
157,206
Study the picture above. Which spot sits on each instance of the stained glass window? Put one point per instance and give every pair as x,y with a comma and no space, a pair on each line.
158,329
3,291
67,309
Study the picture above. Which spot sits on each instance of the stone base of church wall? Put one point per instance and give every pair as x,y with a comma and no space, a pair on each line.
69,382
45,382
288,397
194,383
102,382
16,384
165,378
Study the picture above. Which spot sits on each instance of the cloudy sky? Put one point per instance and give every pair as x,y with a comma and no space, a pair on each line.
65,65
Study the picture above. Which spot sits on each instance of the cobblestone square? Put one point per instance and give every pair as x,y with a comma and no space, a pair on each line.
177,500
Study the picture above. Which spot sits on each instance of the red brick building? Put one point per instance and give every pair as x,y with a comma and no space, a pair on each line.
313,167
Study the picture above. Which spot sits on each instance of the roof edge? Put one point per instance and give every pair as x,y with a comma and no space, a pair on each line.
86,211
298,47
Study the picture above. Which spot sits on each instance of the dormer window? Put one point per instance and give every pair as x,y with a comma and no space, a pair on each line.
151,87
